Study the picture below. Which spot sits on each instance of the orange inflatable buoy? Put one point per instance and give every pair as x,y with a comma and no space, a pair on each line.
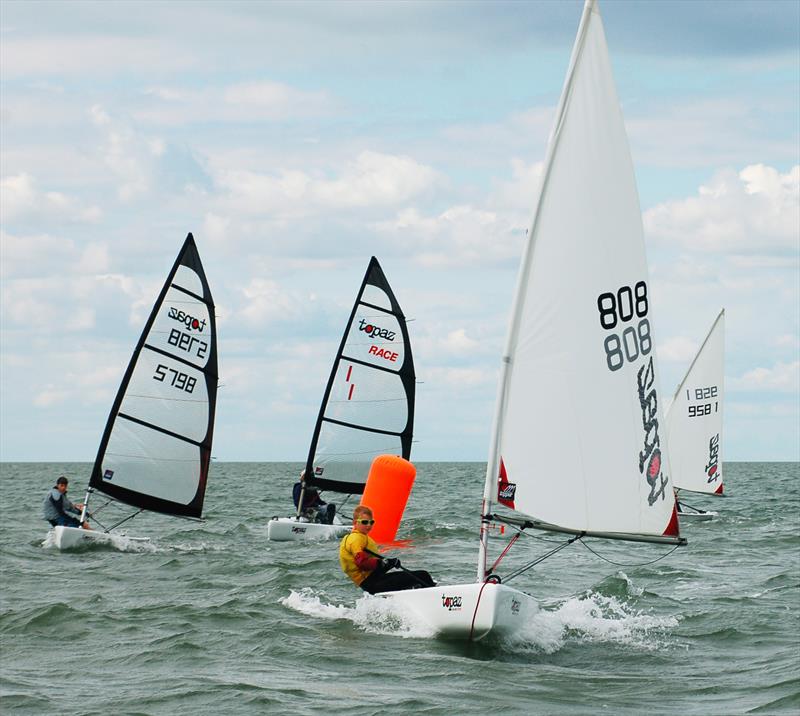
388,486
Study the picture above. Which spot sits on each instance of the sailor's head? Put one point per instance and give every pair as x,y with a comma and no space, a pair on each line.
61,484
363,519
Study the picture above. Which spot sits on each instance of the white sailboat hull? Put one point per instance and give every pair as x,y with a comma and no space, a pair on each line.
71,537
696,516
290,529
469,611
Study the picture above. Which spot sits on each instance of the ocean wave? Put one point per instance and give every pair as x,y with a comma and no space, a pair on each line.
371,614
593,617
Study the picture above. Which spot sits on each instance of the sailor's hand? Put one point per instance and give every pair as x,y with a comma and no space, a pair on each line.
392,563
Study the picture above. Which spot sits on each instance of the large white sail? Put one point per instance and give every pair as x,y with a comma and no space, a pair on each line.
368,406
156,447
579,440
694,419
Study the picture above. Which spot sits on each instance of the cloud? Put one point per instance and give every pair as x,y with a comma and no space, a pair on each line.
677,350
20,198
781,377
459,236
242,102
101,54
144,164
754,211
371,180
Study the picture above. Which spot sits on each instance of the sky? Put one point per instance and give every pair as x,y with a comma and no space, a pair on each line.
297,139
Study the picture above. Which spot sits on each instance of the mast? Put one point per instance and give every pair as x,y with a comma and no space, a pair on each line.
493,464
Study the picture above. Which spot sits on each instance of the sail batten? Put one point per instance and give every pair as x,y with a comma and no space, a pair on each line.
578,437
156,447
368,405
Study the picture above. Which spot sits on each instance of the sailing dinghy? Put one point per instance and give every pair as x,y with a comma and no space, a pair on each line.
694,424
156,448
577,444
367,409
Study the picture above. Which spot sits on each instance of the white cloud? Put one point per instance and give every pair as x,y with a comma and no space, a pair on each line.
781,377
756,211
100,54
256,101
371,180
459,236
677,350
20,197
267,301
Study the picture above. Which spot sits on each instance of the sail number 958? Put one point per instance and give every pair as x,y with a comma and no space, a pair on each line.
176,378
622,307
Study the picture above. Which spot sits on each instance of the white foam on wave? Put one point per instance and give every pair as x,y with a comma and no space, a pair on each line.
374,615
593,617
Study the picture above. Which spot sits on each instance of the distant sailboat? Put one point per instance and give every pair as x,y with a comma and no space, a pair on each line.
694,423
368,406
156,448
577,439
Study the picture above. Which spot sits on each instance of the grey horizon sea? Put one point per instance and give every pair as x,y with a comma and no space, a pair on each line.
212,618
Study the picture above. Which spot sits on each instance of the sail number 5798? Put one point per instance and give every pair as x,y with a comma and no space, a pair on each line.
175,377
621,307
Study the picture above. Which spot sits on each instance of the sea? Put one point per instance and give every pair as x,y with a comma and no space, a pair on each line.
212,618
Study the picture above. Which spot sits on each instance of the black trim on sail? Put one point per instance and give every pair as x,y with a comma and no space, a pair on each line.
189,257
374,276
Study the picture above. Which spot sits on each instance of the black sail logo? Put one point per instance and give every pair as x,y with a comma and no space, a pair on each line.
650,455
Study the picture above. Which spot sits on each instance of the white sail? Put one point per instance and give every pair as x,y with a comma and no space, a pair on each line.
694,419
368,406
579,439
156,447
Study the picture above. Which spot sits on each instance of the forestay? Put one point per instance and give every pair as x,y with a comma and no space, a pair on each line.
579,436
368,406
694,419
156,447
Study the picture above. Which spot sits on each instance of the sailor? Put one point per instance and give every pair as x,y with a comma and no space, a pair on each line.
361,561
314,508
57,505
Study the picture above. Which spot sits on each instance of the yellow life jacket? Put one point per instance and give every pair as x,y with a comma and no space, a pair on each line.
349,547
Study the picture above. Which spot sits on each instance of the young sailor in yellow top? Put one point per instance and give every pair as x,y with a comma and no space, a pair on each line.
361,561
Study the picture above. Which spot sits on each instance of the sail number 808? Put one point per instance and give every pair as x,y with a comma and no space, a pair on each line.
179,380
621,307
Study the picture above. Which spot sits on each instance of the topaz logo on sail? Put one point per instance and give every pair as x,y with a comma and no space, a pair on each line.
190,322
712,469
452,604
374,331
651,453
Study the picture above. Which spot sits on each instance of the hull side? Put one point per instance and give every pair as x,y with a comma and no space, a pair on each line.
288,529
468,611
71,537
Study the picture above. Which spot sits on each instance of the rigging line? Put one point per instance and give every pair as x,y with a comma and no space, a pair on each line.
129,517
536,561
620,564
691,507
